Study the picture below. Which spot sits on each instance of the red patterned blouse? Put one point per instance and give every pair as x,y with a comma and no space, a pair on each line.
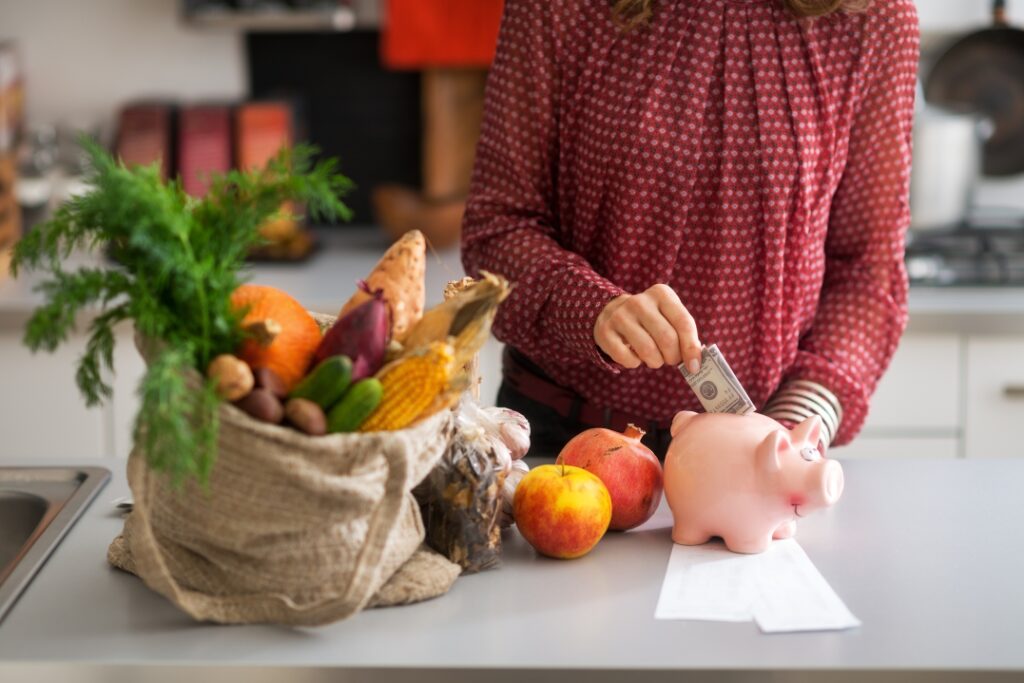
757,163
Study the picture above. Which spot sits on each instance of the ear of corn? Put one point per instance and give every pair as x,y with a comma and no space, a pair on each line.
410,386
459,384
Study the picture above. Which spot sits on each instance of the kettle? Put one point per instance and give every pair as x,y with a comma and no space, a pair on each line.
946,166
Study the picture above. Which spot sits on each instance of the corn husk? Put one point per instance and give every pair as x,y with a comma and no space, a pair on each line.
469,300
464,320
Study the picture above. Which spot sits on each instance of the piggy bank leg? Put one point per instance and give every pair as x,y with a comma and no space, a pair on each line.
689,535
786,530
748,545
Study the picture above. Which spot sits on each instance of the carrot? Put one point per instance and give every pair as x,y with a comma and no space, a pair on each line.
400,273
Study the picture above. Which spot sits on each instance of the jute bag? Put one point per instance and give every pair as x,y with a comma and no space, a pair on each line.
293,529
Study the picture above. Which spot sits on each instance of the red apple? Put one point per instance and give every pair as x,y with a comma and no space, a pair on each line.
629,469
562,511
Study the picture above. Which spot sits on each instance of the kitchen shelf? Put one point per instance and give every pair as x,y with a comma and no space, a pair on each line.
283,20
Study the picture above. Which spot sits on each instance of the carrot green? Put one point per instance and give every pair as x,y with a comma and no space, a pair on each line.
178,259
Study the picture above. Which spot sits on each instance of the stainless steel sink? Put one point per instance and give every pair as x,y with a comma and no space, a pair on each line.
37,507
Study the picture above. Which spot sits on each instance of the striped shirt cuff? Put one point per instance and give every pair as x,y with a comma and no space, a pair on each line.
797,400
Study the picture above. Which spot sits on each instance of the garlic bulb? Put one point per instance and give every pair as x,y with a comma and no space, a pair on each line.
508,491
514,430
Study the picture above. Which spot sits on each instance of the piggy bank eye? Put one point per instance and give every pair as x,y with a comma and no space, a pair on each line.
810,453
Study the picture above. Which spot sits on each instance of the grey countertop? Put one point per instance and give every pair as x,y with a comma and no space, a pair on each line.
925,552
324,282
971,310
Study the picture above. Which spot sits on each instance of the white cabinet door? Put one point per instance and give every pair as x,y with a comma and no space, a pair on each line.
898,447
995,397
920,392
42,415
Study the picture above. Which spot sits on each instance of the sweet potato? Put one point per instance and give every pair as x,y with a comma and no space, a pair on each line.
362,335
400,273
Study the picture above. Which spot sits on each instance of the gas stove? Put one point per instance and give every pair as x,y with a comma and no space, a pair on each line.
967,255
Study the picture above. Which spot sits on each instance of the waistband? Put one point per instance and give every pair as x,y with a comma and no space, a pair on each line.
525,377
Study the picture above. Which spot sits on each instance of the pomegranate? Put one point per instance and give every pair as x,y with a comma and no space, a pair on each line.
630,471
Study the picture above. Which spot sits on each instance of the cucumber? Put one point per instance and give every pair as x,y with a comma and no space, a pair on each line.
360,401
327,383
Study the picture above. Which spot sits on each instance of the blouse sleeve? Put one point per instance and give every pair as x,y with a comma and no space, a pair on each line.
510,227
863,307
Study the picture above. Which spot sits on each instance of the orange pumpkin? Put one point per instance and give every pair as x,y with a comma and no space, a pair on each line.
285,334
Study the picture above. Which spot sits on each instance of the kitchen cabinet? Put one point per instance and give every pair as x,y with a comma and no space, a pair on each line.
995,397
943,396
42,414
948,395
916,410
921,389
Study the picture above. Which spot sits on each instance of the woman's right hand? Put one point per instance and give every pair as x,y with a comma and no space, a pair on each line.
652,328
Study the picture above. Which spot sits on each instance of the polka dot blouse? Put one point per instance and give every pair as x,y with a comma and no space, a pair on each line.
757,163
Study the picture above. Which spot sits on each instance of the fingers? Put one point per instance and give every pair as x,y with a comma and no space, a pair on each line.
623,327
683,324
634,334
620,335
610,340
615,346
652,328
660,330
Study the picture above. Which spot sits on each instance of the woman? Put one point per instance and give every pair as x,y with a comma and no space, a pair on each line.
657,174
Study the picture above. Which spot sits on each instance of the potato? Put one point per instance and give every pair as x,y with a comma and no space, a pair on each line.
306,416
262,405
233,376
266,378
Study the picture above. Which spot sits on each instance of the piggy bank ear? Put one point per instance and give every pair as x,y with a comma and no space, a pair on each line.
808,432
769,453
680,420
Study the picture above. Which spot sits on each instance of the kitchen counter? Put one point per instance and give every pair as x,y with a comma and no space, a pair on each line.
925,552
973,310
347,255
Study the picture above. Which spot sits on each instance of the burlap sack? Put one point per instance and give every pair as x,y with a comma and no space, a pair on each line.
293,529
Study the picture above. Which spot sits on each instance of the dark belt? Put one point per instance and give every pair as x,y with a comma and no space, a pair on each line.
529,380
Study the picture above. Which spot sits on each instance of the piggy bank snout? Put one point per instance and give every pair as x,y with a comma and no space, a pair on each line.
832,482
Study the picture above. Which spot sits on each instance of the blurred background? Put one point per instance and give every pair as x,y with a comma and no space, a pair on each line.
395,91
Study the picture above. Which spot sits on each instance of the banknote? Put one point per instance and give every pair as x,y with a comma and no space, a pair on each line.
716,385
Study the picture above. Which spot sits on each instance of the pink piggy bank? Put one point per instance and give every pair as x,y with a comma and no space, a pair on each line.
745,478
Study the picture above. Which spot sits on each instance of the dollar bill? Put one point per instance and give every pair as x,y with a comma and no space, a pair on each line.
716,385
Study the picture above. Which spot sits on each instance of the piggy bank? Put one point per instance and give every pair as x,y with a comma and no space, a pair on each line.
745,478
